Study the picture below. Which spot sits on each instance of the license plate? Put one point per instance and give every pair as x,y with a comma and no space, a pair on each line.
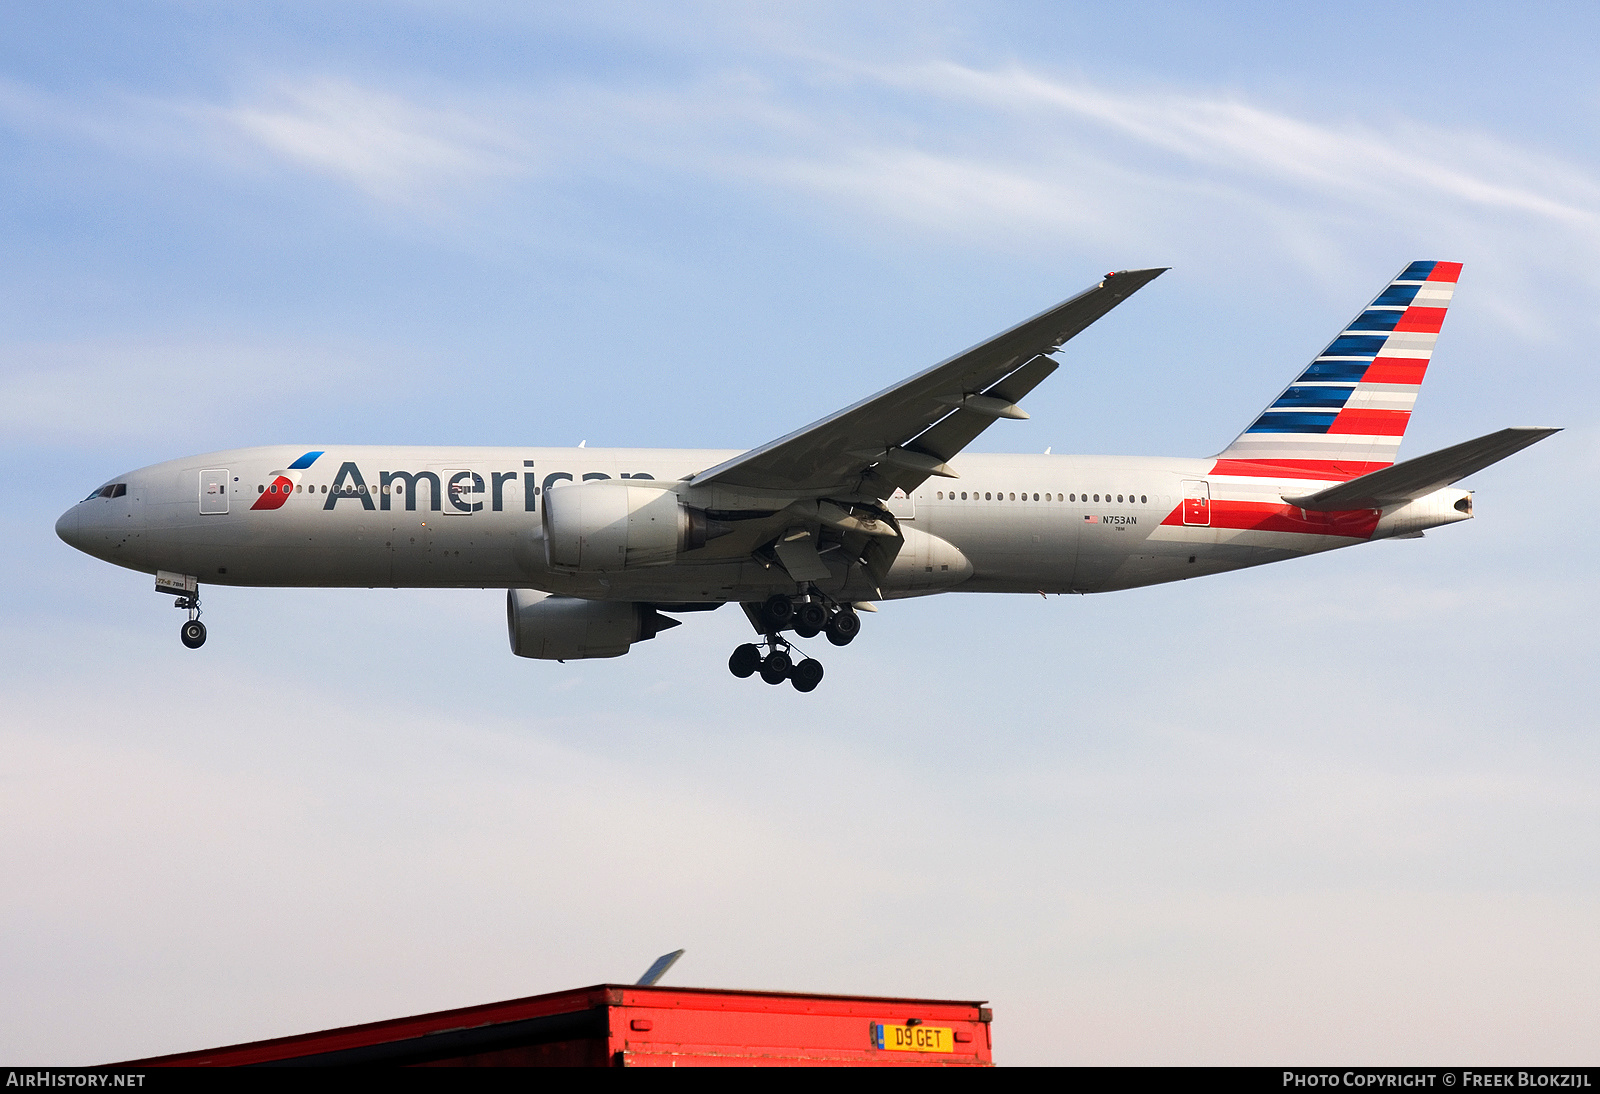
913,1038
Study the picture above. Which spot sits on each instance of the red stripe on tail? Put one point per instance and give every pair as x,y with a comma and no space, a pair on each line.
1395,370
1371,423
1421,320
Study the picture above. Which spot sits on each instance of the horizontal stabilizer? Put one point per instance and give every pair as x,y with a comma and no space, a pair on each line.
1412,479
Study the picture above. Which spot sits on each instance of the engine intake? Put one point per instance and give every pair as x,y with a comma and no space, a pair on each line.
566,628
603,527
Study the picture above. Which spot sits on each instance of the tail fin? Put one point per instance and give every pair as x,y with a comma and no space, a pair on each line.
1346,413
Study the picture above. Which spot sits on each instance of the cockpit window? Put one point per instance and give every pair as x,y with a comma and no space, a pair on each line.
113,490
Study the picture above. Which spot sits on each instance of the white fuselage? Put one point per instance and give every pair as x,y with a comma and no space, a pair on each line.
470,517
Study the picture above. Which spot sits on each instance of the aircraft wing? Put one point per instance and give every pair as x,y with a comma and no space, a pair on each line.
1412,479
906,433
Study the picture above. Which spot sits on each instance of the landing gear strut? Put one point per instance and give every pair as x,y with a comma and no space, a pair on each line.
808,615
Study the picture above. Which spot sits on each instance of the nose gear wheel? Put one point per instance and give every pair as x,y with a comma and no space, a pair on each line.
193,632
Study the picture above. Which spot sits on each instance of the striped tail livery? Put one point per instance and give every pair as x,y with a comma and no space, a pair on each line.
1347,412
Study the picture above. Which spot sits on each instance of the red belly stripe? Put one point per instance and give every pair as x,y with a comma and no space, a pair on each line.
1264,516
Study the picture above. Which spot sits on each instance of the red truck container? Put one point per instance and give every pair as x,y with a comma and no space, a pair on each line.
615,1025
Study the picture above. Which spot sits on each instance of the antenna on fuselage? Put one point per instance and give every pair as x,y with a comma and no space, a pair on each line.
659,969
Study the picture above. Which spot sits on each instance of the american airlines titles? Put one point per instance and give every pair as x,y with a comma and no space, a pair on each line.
463,490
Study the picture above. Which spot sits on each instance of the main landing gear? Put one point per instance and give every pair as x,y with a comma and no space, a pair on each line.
808,616
193,632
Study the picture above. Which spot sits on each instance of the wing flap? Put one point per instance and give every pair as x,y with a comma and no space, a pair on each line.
1412,479
797,552
955,431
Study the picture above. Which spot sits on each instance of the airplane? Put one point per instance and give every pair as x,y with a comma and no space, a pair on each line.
598,549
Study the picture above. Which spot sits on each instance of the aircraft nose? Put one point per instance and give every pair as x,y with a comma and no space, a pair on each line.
68,528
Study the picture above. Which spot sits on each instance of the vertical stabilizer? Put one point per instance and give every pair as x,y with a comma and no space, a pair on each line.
1346,413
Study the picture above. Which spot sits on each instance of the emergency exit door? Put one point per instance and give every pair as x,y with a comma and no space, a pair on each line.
1197,502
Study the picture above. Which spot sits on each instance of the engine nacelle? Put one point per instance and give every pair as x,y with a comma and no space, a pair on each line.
566,628
611,525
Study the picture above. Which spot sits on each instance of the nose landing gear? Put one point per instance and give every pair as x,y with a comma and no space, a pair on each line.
807,615
193,632
186,587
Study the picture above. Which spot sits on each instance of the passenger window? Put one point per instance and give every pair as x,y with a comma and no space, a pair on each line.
1013,497
260,489
1060,498
1143,500
1119,497
1036,497
1097,497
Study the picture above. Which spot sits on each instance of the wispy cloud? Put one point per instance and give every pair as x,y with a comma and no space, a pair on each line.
1229,133
109,390
1007,157
1013,157
380,142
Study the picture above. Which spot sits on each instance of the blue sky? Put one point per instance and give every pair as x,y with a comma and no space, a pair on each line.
1333,810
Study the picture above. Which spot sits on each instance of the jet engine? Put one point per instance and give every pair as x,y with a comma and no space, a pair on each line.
566,628
610,525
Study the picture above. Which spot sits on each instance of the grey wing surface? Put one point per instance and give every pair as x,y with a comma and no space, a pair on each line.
905,433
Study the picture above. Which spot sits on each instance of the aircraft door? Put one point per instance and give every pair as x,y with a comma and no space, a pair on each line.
902,505
463,492
1197,502
214,490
